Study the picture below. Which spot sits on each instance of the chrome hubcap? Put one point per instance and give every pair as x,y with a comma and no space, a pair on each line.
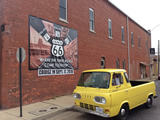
149,100
123,111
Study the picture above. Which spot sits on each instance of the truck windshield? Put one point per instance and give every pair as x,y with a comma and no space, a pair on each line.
95,79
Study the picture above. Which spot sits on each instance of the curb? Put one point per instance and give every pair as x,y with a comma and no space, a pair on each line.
48,115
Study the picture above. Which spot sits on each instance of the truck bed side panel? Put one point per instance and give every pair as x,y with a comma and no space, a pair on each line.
138,95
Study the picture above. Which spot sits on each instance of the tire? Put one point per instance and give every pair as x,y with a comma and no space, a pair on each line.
123,113
148,104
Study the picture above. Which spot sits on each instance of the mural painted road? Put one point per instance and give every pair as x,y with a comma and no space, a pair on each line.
139,113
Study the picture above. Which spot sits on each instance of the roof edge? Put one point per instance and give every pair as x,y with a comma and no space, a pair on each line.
148,31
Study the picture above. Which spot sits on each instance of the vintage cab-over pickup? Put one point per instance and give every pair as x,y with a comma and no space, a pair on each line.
109,93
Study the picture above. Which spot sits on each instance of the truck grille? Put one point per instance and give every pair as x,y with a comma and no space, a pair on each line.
87,106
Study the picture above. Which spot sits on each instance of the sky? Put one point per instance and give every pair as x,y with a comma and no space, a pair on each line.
146,13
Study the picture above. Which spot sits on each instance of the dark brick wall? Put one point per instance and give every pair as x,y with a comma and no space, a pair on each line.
91,46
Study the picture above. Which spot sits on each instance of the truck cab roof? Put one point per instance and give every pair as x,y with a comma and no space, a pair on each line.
105,70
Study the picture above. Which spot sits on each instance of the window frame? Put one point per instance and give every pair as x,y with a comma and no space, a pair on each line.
109,28
91,20
62,7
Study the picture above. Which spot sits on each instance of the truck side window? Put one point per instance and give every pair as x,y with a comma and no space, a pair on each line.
117,79
121,79
126,76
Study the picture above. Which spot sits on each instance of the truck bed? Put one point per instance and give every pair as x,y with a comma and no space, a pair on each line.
135,83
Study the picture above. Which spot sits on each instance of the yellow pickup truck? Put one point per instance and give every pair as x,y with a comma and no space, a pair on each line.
109,93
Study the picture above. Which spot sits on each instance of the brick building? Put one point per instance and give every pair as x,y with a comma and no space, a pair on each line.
83,34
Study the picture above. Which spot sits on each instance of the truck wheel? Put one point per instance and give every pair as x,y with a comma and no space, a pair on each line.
123,113
148,104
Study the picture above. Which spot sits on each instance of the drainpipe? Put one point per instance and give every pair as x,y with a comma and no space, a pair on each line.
128,49
150,74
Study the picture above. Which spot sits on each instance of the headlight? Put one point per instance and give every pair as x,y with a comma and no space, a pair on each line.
100,100
77,96
103,100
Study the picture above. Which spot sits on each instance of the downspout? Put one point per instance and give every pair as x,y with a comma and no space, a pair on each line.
128,49
149,57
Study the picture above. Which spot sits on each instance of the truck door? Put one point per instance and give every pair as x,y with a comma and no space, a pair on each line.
119,91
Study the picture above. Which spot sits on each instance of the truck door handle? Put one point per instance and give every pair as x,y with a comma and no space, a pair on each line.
126,90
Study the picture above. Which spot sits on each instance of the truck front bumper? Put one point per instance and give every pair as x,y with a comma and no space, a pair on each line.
91,111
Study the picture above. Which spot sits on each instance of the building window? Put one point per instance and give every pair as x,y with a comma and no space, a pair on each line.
123,63
146,45
91,19
139,41
122,33
117,64
132,38
63,9
110,28
102,62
